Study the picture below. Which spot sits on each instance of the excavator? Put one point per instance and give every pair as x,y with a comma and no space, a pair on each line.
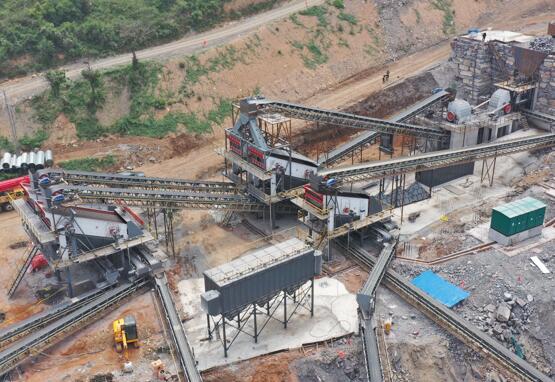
125,333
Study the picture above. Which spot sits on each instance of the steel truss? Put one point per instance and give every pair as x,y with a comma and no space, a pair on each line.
141,182
302,297
163,199
437,159
351,120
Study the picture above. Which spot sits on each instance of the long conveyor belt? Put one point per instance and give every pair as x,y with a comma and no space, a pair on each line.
450,321
349,120
16,331
378,271
347,148
140,182
39,340
371,352
365,300
162,198
186,357
437,159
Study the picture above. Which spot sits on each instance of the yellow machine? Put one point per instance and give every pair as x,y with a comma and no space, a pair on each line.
6,196
125,333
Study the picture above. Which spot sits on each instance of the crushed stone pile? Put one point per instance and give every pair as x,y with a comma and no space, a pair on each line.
543,44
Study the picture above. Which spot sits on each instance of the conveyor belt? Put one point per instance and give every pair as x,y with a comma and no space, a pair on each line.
371,352
437,159
549,119
420,106
365,300
446,318
41,339
366,295
40,320
349,120
141,182
163,199
347,148
186,357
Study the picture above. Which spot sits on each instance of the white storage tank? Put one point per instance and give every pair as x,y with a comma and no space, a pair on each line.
48,158
32,159
459,111
6,161
39,163
24,160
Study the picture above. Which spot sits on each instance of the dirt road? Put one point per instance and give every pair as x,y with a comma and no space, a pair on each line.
21,88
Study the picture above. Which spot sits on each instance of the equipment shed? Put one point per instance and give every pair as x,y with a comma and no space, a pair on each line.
518,216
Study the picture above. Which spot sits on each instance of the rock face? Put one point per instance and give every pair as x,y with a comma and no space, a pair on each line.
480,65
503,313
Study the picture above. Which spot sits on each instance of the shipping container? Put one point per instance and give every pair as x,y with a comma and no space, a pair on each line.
518,216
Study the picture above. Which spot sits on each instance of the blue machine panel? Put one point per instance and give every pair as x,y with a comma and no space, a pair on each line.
440,289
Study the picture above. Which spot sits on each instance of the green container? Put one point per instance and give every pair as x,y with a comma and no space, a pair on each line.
518,216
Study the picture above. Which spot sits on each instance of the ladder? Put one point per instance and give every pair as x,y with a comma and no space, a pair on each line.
228,215
524,123
26,262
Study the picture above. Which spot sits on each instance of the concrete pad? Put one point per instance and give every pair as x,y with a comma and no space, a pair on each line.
335,315
481,231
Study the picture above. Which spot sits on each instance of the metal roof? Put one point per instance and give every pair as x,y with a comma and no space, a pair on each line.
440,289
520,207
257,261
503,36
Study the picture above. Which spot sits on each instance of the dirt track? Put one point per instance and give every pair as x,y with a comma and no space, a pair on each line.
32,85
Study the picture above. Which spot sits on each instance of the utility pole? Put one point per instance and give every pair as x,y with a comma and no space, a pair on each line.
11,118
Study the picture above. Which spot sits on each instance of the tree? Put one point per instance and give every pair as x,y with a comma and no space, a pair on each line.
56,78
95,81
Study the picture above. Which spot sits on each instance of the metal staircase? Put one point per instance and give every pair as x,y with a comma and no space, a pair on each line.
23,266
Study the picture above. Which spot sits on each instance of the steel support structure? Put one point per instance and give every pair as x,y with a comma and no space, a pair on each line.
437,159
246,320
101,179
350,120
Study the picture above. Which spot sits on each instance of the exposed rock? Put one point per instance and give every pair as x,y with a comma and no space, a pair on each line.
503,313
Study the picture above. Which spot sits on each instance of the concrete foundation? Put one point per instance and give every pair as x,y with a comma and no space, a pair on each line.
516,238
335,315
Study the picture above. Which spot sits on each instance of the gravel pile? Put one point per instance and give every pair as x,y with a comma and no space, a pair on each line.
543,44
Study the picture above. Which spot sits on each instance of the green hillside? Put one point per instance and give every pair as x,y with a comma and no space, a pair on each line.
37,34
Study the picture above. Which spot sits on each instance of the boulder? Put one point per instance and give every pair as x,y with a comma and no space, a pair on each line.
503,313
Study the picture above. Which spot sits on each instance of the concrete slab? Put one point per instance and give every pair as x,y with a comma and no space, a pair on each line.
335,315
481,231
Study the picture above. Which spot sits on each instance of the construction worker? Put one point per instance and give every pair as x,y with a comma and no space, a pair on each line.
484,35
385,77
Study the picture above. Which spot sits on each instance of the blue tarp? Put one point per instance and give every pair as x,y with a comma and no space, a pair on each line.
440,289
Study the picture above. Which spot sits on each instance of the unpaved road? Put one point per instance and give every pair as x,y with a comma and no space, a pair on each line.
24,87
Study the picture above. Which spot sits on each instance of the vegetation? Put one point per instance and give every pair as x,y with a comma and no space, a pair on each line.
351,19
5,144
36,34
445,6
81,100
338,4
318,11
89,164
36,140
418,16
